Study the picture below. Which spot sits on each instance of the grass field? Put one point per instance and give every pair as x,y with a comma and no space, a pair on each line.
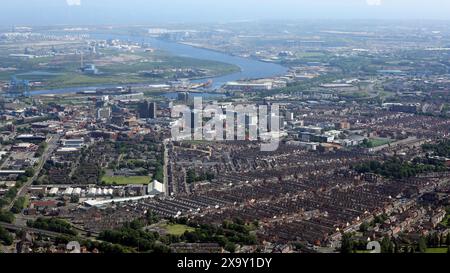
379,142
429,250
175,229
362,251
437,250
124,180
27,201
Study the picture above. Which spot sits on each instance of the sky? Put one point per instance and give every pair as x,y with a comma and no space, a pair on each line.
119,12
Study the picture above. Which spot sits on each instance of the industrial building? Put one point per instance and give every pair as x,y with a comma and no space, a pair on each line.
31,138
236,86
73,143
89,69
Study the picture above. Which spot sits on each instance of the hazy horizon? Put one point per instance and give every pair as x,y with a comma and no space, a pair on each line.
90,12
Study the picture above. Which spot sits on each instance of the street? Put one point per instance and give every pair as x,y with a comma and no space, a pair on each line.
53,143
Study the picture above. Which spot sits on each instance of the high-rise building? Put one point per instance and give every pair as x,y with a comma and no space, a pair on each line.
143,109
104,113
183,97
289,116
153,109
147,110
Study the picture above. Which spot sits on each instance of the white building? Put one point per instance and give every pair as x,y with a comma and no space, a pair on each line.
73,143
99,192
53,191
76,192
68,191
92,192
237,86
155,188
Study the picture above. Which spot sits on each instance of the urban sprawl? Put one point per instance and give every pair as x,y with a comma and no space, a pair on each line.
363,155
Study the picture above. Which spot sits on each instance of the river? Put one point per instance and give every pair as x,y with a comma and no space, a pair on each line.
250,68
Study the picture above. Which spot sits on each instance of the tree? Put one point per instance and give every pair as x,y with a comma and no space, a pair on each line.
5,236
435,240
396,248
422,245
159,173
441,240
52,224
40,151
19,205
346,244
386,245
364,227
230,247
74,199
152,218
6,216
190,176
29,172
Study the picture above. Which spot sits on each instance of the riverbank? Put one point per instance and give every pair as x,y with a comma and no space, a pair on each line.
247,68
200,46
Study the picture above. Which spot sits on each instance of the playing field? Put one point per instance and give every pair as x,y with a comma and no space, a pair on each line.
175,229
437,250
125,180
379,142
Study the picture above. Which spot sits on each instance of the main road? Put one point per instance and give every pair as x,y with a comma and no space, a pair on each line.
165,166
52,144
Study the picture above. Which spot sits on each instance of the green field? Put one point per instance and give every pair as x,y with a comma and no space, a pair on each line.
175,229
429,250
363,251
27,201
437,250
379,142
124,180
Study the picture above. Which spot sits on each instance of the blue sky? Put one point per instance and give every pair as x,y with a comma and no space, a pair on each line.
44,12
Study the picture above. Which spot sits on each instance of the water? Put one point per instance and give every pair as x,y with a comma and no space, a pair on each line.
250,68
204,95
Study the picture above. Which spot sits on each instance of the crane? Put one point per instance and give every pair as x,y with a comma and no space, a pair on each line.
19,87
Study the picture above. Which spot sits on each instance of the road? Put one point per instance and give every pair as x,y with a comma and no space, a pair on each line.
165,166
53,143
13,227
